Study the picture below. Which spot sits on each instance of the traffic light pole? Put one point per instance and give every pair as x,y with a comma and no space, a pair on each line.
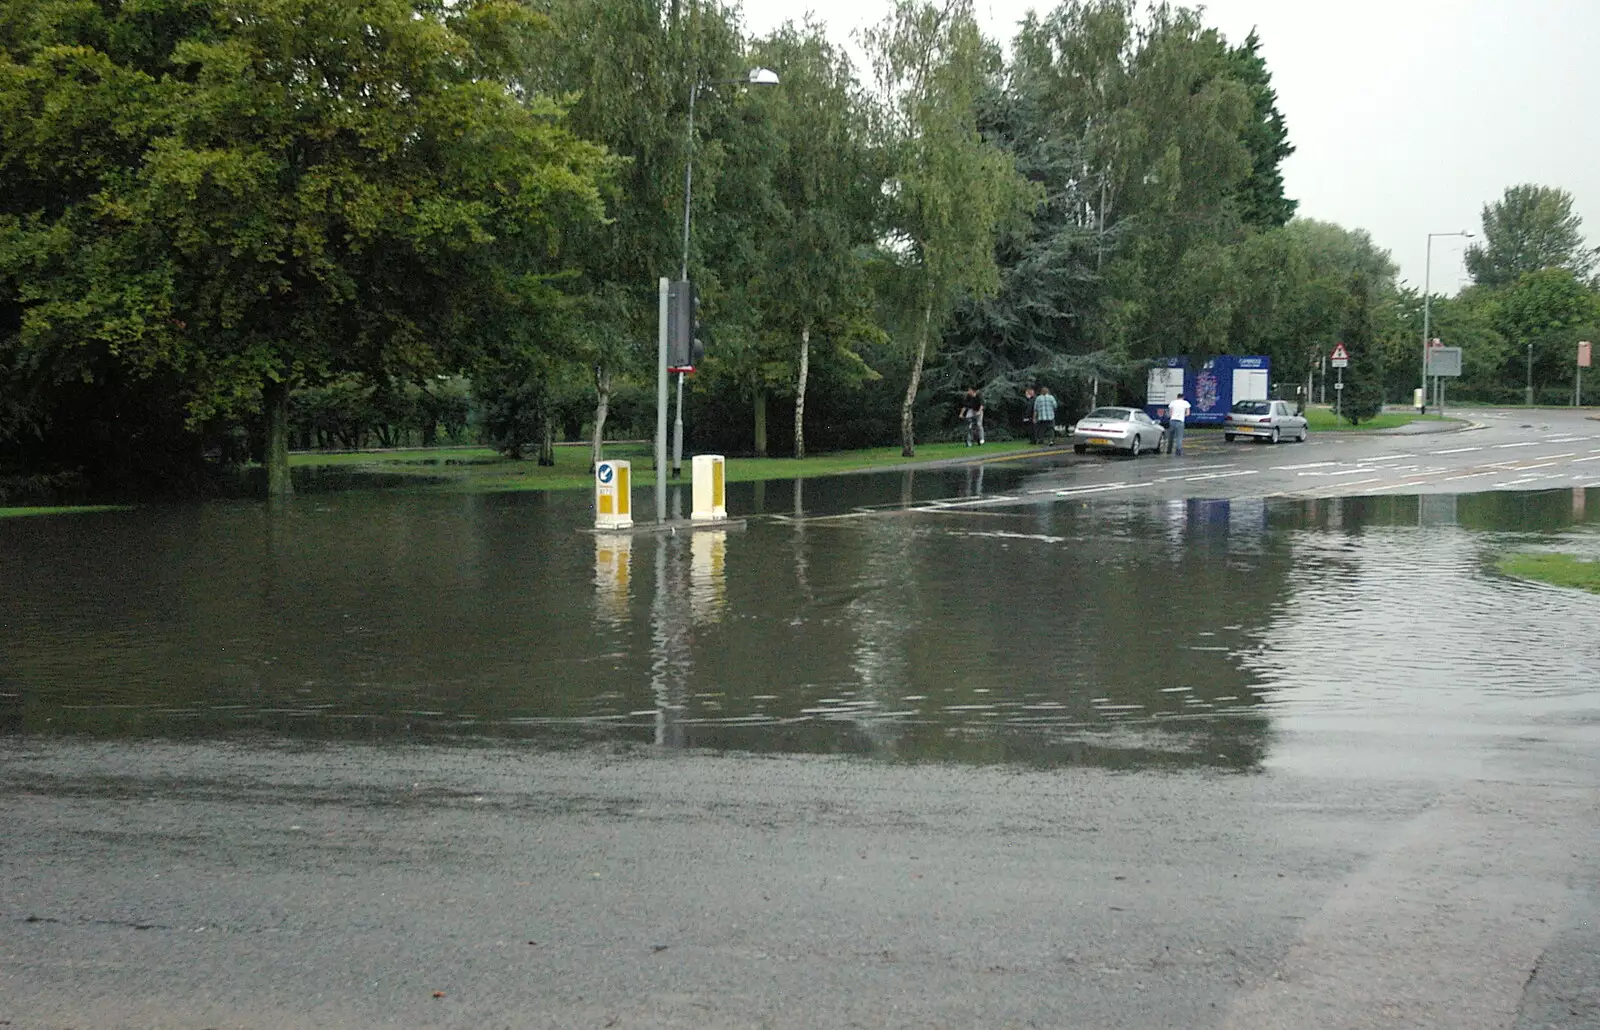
677,433
661,406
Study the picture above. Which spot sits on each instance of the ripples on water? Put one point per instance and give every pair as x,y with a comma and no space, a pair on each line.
1189,633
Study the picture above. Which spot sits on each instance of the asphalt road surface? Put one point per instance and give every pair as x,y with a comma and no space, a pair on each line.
1494,450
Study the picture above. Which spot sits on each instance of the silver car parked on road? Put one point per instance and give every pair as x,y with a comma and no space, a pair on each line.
1264,420
1122,429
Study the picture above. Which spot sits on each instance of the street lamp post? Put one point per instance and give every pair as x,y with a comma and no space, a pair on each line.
1427,304
755,77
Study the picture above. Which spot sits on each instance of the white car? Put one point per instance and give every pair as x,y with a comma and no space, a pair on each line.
1119,429
1264,420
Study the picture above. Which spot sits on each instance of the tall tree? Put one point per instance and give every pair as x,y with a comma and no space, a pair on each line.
311,188
1363,381
950,191
808,281
1529,228
1262,202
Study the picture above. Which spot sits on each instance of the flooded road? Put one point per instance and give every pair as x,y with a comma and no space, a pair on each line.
1124,633
879,757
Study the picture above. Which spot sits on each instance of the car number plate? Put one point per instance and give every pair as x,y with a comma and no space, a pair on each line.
1099,440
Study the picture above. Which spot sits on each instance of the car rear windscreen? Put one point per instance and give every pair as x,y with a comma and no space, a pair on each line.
1251,408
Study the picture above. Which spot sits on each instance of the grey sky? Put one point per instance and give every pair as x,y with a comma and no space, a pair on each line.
1407,115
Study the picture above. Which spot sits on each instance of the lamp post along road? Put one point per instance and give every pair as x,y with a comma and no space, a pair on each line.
755,77
1427,303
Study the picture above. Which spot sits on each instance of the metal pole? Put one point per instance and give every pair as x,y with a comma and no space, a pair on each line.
1338,393
1427,302
1529,397
677,433
1322,395
661,404
688,182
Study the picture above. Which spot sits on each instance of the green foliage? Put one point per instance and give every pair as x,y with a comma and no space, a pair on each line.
1528,229
1363,381
236,193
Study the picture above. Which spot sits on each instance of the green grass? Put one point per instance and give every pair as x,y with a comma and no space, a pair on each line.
1324,420
1562,570
70,509
480,469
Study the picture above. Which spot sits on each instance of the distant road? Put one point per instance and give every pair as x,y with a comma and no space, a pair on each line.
1536,449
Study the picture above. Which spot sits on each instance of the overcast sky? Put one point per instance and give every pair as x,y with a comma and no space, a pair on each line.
1407,115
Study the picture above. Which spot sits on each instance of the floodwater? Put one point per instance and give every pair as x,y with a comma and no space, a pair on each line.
1223,634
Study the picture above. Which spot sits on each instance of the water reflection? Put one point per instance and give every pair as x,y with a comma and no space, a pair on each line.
1127,634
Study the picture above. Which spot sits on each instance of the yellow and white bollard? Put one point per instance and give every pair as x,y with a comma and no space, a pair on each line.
710,487
613,505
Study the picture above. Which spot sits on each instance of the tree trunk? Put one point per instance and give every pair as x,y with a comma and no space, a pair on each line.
547,439
275,405
602,405
761,423
908,441
800,394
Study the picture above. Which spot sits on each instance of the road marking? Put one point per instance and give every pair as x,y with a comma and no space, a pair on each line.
1544,457
1524,443
1468,475
1307,465
1097,489
1525,468
1221,475
1458,450
1592,458
1203,468
1386,457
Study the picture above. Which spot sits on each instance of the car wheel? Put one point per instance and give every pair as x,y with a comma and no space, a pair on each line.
1135,447
1304,432
1078,448
1228,437
1274,437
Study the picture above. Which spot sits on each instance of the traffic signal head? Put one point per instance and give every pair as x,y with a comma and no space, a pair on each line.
684,349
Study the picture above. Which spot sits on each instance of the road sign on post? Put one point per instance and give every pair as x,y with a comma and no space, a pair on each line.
1341,357
1583,363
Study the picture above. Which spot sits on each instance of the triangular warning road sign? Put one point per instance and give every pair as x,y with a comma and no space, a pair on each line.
1339,353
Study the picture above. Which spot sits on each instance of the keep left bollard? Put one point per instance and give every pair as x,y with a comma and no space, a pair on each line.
710,487
613,505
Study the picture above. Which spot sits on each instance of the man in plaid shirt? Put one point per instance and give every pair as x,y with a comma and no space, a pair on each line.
1044,416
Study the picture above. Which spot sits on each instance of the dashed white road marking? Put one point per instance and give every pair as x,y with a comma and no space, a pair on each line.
1521,443
1458,450
1076,491
1595,457
1307,465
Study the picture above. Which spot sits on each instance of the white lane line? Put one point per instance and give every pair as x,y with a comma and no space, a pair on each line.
1548,457
1098,489
1221,475
1307,465
1523,443
1575,461
1341,472
1385,457
1458,450
1207,468
1468,475
1525,468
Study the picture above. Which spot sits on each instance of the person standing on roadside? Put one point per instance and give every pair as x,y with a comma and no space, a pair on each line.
1177,412
1027,415
972,412
1044,417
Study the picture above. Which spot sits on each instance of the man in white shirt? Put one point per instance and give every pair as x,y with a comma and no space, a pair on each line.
1177,411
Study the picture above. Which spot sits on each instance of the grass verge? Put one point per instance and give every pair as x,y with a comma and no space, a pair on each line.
1324,420
1562,570
482,469
68,509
